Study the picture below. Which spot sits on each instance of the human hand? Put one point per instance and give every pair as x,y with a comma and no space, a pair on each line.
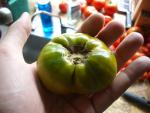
22,92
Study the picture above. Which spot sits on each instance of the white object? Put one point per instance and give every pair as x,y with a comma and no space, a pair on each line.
74,13
43,1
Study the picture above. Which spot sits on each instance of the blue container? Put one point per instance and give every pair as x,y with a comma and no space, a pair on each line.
47,22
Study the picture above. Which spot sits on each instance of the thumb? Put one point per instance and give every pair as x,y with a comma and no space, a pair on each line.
19,32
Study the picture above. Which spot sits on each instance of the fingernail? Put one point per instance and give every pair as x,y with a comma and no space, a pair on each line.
25,19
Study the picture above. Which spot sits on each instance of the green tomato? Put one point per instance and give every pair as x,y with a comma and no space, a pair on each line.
76,63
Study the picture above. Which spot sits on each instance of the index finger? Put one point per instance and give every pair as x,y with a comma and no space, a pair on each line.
92,25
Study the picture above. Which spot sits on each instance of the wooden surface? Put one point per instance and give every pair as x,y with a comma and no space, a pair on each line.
123,106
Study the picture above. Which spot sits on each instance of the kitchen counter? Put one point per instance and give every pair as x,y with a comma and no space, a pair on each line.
123,106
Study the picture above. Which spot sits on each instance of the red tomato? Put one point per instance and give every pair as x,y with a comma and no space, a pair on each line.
98,4
89,10
116,43
89,2
148,46
148,75
83,6
145,76
136,55
112,48
134,29
110,8
128,63
122,37
63,6
147,39
144,50
107,19
122,69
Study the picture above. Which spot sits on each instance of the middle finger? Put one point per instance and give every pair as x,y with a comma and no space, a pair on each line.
128,47
111,32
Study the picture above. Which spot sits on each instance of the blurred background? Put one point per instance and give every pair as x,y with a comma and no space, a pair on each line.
53,17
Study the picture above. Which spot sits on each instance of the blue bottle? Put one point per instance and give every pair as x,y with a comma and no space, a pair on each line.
47,22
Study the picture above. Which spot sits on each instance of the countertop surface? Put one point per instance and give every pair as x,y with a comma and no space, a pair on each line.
123,106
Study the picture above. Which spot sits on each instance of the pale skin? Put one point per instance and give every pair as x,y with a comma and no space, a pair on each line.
21,91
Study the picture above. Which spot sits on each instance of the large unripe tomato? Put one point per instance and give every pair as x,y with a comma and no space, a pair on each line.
76,63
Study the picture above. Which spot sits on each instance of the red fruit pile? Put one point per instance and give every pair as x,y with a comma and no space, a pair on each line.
143,50
93,6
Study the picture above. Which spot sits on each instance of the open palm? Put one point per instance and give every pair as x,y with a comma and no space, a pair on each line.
22,92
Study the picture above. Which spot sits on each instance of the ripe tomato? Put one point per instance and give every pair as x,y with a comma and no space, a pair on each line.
134,29
89,10
148,46
110,8
63,6
83,6
107,19
112,48
122,37
116,43
147,39
89,2
128,63
136,55
145,76
145,50
98,4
